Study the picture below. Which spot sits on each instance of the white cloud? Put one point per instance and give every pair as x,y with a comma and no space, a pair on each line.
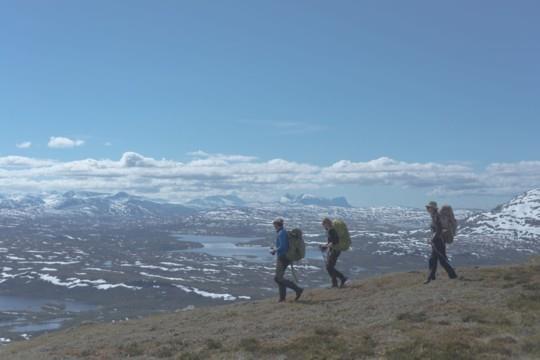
253,178
133,160
24,145
60,142
22,162
392,172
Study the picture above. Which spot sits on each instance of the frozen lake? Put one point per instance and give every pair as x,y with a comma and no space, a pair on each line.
22,315
227,246
18,304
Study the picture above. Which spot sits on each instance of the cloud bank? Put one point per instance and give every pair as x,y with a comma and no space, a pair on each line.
209,174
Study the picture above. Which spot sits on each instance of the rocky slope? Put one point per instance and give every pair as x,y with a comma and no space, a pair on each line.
488,313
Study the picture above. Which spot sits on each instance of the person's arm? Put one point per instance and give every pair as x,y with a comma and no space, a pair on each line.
275,248
438,228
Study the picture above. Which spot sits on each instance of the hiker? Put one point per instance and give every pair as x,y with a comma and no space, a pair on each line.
438,245
282,245
332,253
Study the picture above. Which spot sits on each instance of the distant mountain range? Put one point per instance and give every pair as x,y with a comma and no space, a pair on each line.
520,217
87,204
217,201
307,199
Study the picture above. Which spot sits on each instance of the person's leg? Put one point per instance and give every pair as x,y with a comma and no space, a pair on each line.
432,265
278,278
331,267
291,285
338,274
285,283
443,259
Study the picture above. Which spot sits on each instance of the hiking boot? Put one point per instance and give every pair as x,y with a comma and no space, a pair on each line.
281,300
453,276
298,294
343,282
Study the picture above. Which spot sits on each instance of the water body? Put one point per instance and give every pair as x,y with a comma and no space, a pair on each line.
16,303
226,246
23,315
49,325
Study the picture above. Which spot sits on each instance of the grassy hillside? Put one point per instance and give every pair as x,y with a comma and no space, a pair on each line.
489,313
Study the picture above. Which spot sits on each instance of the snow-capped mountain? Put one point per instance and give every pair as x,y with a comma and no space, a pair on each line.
17,202
308,199
85,203
211,202
519,218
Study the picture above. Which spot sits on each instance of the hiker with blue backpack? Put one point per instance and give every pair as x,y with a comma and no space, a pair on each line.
443,229
338,240
282,262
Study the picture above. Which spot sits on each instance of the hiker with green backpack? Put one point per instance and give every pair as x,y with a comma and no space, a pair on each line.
283,251
443,228
338,240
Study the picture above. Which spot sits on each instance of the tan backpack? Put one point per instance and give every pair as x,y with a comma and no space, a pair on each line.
297,246
449,223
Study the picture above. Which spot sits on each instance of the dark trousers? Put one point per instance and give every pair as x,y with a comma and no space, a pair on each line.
438,254
331,261
283,284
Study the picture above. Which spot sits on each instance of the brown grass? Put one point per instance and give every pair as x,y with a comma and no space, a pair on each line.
493,313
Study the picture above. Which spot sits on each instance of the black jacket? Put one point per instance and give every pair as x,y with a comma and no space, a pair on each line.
333,236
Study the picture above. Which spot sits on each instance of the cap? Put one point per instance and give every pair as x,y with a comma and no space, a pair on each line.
432,204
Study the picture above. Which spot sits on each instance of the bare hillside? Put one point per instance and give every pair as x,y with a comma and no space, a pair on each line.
488,313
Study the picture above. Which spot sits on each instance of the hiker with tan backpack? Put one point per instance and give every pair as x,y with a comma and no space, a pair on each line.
338,240
287,251
443,228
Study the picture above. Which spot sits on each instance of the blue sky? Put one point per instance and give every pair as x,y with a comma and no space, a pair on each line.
309,82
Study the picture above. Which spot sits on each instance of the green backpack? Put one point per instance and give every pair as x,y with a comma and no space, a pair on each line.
297,247
343,233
